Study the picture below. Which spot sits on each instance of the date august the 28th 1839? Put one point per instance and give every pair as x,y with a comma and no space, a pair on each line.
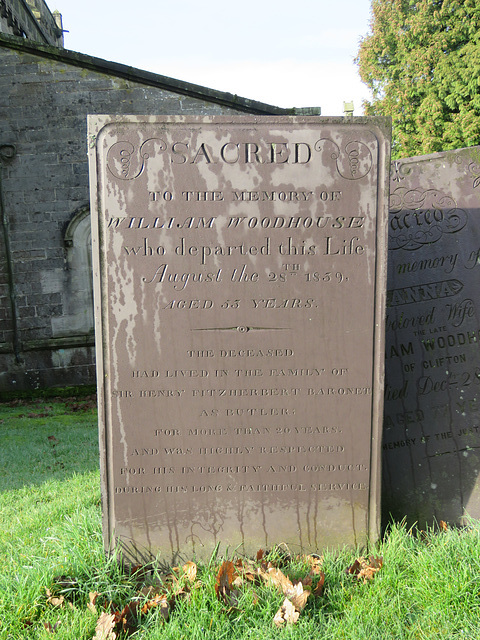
241,275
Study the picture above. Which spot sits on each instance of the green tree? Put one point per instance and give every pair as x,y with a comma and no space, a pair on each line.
421,60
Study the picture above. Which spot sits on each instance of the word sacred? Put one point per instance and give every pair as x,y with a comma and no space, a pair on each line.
242,153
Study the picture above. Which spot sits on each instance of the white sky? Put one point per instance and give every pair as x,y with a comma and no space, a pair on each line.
297,53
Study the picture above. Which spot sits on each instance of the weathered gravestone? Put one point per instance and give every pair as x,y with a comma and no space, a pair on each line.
240,279
431,442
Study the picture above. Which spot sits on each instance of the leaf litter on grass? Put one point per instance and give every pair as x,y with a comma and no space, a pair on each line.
234,578
114,621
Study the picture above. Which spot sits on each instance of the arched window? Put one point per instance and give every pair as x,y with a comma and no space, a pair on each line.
78,317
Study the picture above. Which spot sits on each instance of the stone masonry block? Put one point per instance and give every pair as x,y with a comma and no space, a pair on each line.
49,310
39,195
52,281
45,299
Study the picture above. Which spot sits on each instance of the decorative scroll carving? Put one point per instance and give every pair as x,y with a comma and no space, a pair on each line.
474,170
399,170
353,162
125,163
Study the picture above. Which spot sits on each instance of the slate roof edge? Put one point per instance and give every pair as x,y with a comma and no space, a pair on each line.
140,76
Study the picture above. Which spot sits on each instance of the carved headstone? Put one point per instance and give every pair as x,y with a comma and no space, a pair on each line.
239,284
431,442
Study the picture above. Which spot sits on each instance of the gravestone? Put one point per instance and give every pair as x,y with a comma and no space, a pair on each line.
239,288
431,441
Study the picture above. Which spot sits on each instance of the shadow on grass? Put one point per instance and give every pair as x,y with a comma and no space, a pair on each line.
47,439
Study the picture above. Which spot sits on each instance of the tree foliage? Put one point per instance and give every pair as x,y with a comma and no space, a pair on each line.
421,60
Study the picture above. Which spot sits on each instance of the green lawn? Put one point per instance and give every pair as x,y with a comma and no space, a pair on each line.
52,558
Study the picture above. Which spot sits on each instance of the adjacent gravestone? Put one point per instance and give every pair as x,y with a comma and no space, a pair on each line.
239,285
431,445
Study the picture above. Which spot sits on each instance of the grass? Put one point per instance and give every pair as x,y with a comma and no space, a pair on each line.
50,538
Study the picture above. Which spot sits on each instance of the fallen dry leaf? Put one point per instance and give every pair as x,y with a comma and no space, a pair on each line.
315,562
365,569
92,596
149,592
224,587
443,525
180,592
276,577
55,601
190,570
51,629
158,601
174,578
298,597
226,575
318,591
249,571
105,627
307,581
354,569
127,618
286,614
137,570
